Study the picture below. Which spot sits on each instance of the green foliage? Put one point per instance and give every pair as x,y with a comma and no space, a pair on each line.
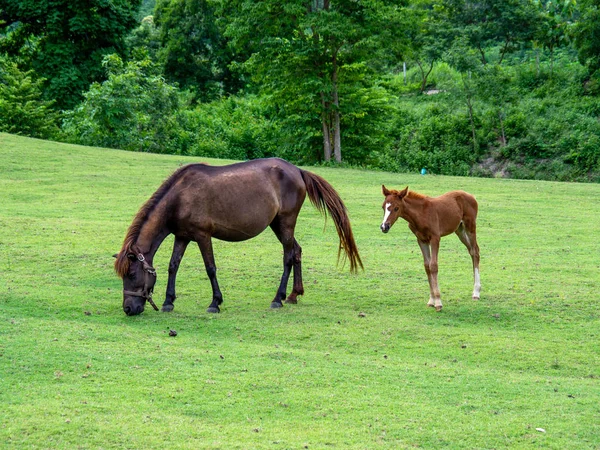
144,40
134,109
429,135
587,34
65,42
234,128
146,9
22,108
193,51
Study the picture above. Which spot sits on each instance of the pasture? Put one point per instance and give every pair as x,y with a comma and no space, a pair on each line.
360,362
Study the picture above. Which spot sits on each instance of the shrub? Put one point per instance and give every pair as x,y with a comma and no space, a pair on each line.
234,128
134,109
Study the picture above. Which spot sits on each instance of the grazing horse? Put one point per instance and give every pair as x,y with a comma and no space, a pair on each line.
430,218
231,203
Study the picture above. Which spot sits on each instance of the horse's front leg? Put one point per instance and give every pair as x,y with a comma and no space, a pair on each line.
178,250
433,268
434,293
426,251
205,244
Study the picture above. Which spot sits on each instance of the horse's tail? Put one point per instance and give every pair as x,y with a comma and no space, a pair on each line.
324,197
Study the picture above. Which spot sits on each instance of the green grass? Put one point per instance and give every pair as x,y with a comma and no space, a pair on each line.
77,373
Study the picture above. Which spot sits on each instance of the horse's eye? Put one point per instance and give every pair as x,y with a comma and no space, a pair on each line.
131,276
396,208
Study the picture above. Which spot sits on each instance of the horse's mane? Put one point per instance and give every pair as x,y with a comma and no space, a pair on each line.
122,262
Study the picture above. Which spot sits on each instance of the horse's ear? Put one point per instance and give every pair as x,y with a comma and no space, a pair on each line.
385,190
403,193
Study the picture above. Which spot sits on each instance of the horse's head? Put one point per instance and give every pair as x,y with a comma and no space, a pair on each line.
392,207
139,278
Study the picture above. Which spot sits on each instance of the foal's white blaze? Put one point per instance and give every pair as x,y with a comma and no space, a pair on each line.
477,287
388,211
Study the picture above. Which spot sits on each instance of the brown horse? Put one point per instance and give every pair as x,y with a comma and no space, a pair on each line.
430,219
231,203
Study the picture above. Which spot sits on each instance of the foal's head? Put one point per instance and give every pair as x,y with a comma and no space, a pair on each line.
392,207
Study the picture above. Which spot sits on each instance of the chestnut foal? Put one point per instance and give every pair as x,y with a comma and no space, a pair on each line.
430,218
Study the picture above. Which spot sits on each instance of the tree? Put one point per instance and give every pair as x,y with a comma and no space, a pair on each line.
66,40
553,26
22,109
430,37
306,51
587,34
193,51
507,24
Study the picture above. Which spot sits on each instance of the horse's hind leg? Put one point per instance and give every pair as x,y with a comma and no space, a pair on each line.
468,236
298,288
178,250
285,234
205,244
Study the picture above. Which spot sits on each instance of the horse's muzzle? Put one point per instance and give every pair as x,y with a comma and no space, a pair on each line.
133,309
385,227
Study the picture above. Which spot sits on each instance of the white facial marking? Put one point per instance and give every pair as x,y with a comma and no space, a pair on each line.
388,211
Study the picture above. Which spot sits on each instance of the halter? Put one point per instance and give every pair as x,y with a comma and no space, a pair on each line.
146,292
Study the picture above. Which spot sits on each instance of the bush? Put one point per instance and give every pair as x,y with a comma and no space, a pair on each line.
134,109
430,136
234,128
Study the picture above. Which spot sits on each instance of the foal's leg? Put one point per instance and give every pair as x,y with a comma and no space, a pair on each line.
178,250
285,234
205,244
433,267
468,236
426,250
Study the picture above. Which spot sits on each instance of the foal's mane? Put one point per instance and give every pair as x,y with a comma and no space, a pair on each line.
122,262
416,195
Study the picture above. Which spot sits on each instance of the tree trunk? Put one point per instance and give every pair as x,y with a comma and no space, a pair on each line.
469,102
326,134
424,75
502,132
337,135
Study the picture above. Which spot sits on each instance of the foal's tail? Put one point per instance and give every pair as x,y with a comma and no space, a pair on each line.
324,197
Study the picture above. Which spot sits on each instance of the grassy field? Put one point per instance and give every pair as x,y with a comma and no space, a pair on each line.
359,363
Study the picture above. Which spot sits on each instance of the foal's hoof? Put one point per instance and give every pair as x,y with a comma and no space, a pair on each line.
167,308
291,301
276,305
475,298
213,309
438,308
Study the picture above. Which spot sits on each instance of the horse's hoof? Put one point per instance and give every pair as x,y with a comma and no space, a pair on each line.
167,308
276,305
292,301
213,309
438,308
475,298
